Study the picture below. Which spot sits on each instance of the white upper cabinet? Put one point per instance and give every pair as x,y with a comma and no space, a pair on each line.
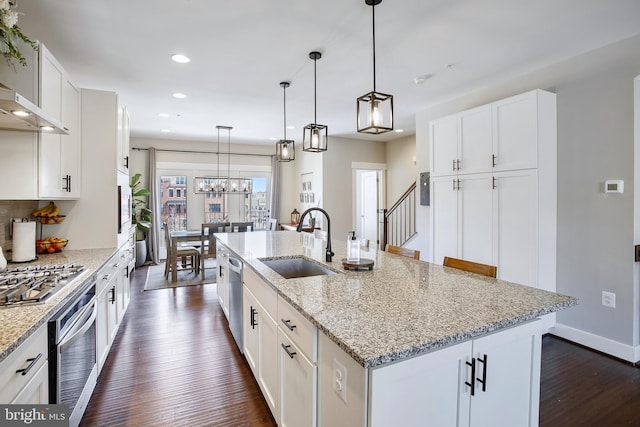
444,146
123,140
59,155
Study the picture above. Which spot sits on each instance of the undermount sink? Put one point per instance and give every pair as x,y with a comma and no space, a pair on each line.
291,268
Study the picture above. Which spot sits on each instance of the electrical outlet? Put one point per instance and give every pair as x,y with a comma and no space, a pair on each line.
340,380
608,299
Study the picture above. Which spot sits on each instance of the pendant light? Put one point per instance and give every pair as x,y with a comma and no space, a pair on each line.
315,136
375,109
285,148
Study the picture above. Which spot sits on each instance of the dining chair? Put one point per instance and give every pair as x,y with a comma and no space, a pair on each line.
473,267
273,224
399,250
208,241
241,226
187,256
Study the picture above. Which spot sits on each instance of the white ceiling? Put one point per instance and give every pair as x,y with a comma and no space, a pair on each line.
241,50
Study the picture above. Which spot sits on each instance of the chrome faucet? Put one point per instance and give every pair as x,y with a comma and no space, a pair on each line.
329,253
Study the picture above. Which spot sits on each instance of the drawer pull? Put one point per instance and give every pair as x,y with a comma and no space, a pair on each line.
288,324
33,361
286,348
472,384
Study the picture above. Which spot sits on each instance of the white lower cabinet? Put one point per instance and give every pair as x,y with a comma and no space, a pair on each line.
298,382
24,374
490,381
222,279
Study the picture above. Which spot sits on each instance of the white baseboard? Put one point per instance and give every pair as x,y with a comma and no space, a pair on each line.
596,342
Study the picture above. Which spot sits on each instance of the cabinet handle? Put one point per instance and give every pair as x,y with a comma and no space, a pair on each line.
472,384
286,348
483,381
494,183
253,318
453,164
458,164
288,324
220,271
126,162
493,160
67,186
33,361
113,295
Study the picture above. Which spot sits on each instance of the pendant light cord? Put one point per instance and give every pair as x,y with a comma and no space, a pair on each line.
373,15
315,93
284,103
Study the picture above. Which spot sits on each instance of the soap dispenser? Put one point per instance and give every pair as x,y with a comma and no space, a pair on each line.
353,248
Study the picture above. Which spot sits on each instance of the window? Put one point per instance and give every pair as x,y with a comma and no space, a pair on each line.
181,180
177,192
171,192
173,206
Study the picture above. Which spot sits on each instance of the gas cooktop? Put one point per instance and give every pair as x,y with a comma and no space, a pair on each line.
34,284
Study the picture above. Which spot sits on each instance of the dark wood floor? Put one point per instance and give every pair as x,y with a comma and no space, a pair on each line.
174,363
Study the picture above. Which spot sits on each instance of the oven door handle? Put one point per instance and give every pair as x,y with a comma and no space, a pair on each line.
81,326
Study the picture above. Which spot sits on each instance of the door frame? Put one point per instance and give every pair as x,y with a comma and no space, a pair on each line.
380,169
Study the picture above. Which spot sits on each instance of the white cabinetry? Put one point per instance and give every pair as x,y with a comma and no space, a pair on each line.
222,278
493,187
59,155
259,306
113,290
282,353
122,156
24,376
489,381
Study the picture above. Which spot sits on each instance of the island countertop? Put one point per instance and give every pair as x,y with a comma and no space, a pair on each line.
402,308
19,322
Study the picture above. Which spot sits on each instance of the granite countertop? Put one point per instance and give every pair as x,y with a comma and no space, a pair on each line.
19,322
403,307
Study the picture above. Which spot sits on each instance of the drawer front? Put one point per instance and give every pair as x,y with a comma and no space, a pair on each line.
264,293
108,271
23,358
299,330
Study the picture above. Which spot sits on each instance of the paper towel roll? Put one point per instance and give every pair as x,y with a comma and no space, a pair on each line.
24,241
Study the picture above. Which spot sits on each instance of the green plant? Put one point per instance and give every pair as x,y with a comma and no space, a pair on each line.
141,213
10,34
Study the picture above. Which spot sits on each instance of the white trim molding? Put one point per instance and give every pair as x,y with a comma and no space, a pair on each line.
614,348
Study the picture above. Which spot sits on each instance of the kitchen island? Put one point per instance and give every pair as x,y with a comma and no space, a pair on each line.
370,323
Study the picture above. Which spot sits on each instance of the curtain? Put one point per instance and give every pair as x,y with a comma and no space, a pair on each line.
274,195
153,243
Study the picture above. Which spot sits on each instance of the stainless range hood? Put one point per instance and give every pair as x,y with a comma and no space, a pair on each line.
18,113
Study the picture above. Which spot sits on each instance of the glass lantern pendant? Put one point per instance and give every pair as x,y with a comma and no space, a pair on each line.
315,135
375,109
285,148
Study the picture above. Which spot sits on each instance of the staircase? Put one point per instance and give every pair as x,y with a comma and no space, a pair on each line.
399,222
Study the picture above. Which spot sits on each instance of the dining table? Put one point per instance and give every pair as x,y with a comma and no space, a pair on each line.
178,237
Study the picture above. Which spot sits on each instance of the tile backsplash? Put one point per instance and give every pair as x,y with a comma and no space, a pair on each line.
13,209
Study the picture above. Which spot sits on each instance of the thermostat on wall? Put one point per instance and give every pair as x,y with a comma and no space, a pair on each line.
614,186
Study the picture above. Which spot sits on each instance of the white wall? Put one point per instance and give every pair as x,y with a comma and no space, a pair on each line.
595,143
400,156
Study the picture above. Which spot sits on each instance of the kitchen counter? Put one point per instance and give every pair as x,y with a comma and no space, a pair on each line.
402,308
19,322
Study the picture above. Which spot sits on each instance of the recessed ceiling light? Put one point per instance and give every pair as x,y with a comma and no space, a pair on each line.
273,138
421,79
163,115
399,130
165,130
179,95
181,59
291,127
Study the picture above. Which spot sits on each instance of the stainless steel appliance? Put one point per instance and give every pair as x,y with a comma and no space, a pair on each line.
235,299
35,283
72,352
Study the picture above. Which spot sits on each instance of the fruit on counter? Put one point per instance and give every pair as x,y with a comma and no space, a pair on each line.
50,245
49,211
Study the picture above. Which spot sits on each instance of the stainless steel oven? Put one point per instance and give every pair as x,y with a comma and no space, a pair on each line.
72,352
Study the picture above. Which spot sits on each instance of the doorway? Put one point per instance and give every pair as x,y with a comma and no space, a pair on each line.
369,199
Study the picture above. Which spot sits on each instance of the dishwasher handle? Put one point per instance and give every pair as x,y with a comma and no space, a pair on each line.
235,265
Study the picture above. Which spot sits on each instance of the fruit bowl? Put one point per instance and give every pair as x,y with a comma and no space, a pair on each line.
50,245
50,219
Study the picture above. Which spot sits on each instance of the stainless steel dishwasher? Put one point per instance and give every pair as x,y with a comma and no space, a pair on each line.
235,299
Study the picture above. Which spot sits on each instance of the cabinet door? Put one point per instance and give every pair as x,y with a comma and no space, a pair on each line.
444,143
51,83
444,218
222,285
475,140
250,325
122,156
422,391
511,396
36,391
70,158
298,379
102,328
516,223
475,213
515,132
268,376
